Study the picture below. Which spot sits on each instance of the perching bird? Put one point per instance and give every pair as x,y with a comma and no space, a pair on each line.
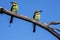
14,9
37,18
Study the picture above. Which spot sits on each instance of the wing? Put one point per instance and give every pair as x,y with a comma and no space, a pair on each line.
11,9
34,16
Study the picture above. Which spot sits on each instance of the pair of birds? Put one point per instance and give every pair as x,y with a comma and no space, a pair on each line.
14,9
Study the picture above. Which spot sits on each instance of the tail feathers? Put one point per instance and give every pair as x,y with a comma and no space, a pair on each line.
11,20
34,27
9,25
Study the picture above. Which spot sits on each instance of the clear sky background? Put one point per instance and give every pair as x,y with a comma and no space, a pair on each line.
22,30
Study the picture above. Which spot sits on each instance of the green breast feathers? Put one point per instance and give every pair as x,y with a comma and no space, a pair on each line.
14,9
37,16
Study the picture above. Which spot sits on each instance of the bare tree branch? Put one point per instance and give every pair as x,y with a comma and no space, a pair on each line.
46,27
56,29
53,23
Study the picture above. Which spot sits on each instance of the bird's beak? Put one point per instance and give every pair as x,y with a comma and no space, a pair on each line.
41,11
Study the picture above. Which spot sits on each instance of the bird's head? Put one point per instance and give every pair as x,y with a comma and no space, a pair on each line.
14,3
38,11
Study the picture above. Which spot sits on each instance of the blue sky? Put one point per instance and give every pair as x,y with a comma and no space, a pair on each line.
22,30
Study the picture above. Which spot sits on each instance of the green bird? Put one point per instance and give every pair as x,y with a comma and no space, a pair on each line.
14,9
37,18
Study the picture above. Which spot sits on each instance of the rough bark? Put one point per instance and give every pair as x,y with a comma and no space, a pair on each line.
46,27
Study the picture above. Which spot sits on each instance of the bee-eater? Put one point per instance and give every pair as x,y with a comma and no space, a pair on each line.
36,17
14,9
